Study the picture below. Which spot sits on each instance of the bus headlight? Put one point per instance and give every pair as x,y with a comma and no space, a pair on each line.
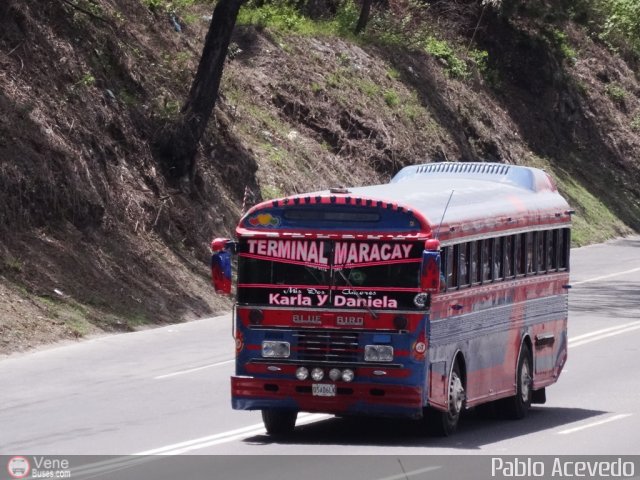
378,353
275,349
347,375
302,373
317,374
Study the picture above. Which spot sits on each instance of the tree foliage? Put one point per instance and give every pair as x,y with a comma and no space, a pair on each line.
615,22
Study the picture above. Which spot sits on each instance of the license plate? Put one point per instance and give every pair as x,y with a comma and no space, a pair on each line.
323,390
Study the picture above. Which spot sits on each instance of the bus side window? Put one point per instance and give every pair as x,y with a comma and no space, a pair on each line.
475,262
464,264
528,252
539,242
487,259
519,252
498,258
564,243
553,249
508,256
443,268
452,267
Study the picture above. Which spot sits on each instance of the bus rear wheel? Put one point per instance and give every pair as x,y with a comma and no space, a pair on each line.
443,424
279,422
517,407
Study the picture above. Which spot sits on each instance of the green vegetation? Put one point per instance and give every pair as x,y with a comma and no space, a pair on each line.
391,98
370,89
442,50
87,80
621,24
164,6
90,6
128,98
616,22
285,17
277,156
74,316
136,320
615,92
13,264
393,74
560,41
593,221
635,123
167,106
271,191
384,29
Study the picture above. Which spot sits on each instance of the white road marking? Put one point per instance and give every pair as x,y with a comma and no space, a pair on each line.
595,424
225,437
196,369
604,330
412,473
600,337
604,277
116,464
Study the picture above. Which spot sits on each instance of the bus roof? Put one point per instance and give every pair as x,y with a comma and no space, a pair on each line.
478,198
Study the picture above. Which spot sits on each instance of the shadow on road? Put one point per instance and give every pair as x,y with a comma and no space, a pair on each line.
473,431
619,299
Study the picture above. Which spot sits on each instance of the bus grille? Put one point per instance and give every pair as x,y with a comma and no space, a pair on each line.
327,346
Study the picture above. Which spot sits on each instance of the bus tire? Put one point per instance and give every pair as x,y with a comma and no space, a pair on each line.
443,424
279,422
517,407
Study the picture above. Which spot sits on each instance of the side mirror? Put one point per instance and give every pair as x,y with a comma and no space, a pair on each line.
430,269
221,266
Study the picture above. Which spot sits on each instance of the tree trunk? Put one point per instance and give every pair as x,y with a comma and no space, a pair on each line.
364,16
179,146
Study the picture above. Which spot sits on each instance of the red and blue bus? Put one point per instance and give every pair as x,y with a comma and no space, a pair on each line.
440,291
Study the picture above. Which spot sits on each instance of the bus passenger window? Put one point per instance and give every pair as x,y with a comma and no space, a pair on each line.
443,268
539,239
498,258
564,239
464,264
475,262
452,267
508,256
487,259
528,251
520,249
551,249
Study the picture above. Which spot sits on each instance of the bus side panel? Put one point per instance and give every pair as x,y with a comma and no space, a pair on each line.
548,305
489,331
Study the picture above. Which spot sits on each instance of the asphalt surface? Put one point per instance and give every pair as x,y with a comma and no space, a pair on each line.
166,391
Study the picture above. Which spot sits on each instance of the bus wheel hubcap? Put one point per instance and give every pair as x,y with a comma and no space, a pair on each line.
456,395
525,381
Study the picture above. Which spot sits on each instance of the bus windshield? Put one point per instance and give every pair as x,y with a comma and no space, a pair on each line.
327,273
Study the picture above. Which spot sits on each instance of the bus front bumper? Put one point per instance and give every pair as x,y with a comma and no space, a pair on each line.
249,393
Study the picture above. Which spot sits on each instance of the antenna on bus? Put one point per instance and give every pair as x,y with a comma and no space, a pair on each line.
446,207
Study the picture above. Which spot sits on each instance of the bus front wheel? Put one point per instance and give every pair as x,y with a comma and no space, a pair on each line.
443,424
279,422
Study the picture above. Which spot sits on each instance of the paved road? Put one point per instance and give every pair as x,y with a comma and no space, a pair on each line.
167,390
